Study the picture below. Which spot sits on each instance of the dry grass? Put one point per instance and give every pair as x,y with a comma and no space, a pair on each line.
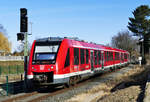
11,67
128,87
137,73
129,94
15,77
125,88
11,63
103,87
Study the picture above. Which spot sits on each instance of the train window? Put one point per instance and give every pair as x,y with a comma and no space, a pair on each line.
67,62
95,57
87,56
108,56
99,57
82,58
105,56
50,49
121,56
125,56
116,56
45,52
76,56
111,56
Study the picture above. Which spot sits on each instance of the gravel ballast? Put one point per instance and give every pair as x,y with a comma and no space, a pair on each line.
84,89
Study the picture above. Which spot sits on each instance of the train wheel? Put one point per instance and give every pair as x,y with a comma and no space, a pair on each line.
75,80
111,69
68,84
28,85
72,81
78,78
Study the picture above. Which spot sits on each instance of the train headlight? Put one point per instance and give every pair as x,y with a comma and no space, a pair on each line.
49,69
52,67
32,67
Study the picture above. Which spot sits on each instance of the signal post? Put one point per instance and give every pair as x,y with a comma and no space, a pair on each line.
23,35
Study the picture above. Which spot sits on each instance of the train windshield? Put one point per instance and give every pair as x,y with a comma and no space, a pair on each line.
45,56
45,52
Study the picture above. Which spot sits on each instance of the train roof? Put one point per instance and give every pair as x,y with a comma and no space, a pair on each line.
49,39
75,42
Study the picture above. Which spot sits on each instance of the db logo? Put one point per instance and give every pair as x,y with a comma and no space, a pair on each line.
41,67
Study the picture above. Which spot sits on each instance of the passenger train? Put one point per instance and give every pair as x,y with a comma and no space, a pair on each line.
55,60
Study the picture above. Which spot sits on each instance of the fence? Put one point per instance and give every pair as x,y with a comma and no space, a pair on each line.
11,58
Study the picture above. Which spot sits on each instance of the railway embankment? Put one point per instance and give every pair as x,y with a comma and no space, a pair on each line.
122,85
126,87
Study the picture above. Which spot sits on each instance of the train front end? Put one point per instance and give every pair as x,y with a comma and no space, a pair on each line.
42,61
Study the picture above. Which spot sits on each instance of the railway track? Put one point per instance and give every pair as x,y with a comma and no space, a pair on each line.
45,93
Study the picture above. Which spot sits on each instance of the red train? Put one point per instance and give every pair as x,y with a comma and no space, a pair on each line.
56,60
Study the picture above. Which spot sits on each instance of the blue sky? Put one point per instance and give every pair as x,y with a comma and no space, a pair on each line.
90,20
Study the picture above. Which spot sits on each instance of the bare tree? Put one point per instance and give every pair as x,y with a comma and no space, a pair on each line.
124,40
20,49
3,30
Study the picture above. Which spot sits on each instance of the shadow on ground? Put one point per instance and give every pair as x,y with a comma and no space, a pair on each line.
12,88
139,79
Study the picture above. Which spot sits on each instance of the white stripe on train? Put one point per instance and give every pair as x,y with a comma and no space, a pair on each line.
80,72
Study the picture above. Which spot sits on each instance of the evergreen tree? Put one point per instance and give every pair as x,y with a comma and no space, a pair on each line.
140,24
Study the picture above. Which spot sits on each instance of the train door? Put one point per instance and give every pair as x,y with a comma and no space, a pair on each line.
120,58
92,60
102,60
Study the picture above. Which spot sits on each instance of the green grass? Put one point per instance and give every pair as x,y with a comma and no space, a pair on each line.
11,69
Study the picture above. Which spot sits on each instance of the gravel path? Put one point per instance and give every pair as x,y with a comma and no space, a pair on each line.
96,81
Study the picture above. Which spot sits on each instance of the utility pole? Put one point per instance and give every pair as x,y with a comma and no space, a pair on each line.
26,56
31,27
141,40
143,48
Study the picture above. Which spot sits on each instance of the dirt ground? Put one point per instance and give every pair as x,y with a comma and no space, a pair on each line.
129,87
